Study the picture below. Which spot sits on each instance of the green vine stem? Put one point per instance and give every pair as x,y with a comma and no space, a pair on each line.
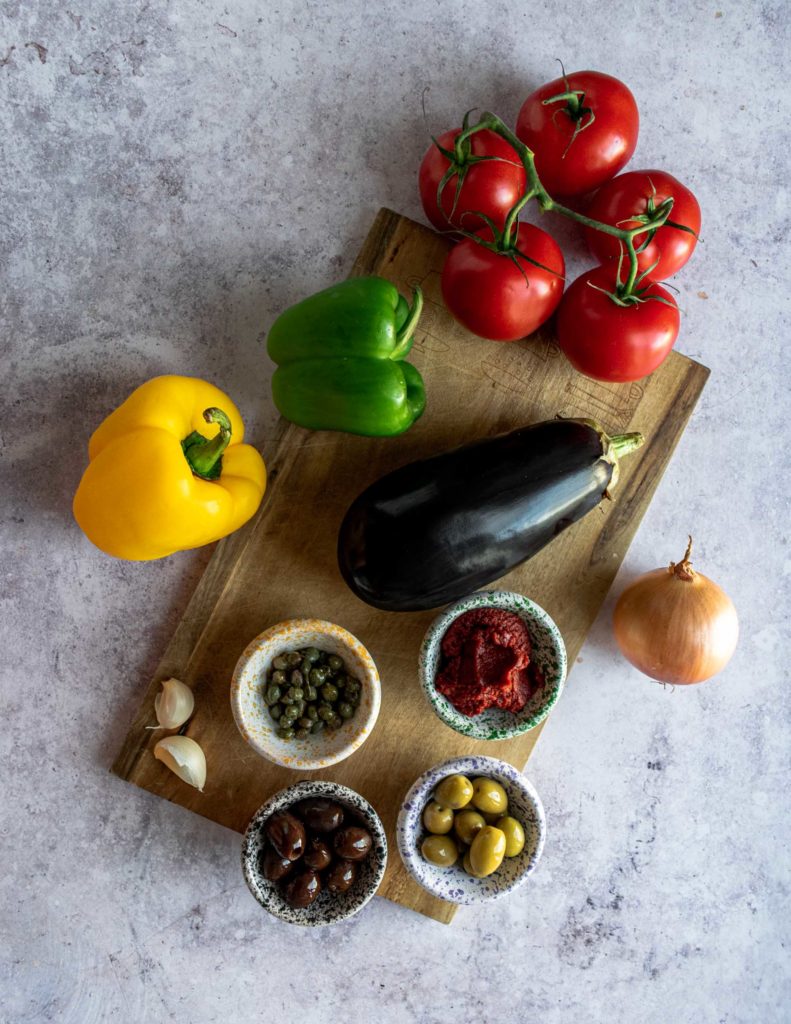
535,190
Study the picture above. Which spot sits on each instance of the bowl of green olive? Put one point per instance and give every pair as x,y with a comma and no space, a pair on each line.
305,694
471,829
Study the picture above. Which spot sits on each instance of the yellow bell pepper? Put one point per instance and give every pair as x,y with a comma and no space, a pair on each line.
168,472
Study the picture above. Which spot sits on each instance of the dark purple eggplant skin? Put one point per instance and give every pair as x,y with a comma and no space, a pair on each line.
440,528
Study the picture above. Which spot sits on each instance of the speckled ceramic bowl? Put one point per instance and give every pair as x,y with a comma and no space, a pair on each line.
329,908
549,652
252,715
454,884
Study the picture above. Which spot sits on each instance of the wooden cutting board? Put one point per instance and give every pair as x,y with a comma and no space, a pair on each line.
282,564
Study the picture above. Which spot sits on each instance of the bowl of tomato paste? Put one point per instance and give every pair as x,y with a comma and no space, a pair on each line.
492,665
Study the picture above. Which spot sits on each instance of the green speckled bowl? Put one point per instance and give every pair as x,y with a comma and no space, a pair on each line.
549,652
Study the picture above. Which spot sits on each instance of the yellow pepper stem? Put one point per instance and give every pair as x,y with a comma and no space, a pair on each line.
205,456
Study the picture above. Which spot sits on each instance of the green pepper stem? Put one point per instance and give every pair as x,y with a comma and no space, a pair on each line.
204,456
407,329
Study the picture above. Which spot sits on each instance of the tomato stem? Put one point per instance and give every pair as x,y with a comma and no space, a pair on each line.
535,190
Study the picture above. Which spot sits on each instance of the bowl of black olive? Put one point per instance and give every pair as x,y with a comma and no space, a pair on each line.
305,694
314,853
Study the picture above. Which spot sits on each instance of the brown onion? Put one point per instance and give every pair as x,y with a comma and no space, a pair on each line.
676,625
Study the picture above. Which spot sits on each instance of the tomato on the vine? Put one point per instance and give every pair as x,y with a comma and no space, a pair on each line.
489,186
501,295
638,194
582,128
610,342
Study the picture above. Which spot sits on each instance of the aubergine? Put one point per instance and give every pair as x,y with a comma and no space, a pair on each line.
440,528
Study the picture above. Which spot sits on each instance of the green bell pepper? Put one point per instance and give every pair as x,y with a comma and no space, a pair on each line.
340,360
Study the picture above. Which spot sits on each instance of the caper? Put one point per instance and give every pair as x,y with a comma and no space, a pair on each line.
335,663
329,692
293,658
302,733
345,710
296,678
467,825
317,727
276,711
285,733
335,722
304,723
280,662
489,796
514,835
440,850
311,693
317,676
437,819
272,695
290,714
311,712
278,678
454,791
311,654
487,851
325,713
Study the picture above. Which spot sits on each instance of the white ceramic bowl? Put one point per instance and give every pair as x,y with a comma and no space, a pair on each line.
549,653
329,908
454,884
251,713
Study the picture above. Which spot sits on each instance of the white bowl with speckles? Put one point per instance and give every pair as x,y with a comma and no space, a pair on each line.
251,713
453,883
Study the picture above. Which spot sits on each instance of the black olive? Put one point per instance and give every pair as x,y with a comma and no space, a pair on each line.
353,843
287,834
303,889
341,876
273,866
318,855
320,815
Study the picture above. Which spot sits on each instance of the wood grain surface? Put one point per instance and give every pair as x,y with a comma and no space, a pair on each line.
282,564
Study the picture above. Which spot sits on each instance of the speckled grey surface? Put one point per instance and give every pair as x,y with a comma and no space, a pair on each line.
173,175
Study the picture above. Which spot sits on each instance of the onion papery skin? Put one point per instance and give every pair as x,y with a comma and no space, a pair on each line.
676,630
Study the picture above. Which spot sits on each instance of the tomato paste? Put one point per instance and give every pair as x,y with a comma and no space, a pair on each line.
485,662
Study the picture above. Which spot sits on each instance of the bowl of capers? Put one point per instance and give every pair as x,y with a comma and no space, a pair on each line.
471,829
305,694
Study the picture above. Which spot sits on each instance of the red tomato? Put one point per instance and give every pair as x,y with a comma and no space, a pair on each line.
603,146
491,187
488,294
610,342
635,193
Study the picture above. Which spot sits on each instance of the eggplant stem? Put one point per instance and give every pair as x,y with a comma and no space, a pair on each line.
624,444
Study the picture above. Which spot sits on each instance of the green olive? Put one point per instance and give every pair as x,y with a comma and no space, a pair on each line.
440,850
454,791
487,851
437,819
489,797
468,866
514,835
467,825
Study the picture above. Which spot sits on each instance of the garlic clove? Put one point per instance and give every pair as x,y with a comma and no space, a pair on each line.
184,758
174,704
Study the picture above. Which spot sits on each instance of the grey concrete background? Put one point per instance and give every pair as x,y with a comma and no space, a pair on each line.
174,174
